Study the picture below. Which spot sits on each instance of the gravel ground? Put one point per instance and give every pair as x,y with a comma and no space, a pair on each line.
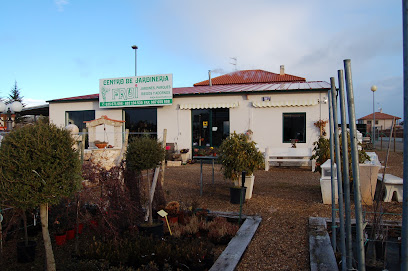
284,197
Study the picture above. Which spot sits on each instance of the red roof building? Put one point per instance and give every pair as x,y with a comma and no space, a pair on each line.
251,77
276,107
383,121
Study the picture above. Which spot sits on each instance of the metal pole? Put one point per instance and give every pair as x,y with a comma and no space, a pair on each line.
404,241
339,178
349,240
201,177
241,197
373,122
356,171
333,185
134,47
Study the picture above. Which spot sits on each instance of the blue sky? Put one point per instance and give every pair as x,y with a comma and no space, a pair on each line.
61,48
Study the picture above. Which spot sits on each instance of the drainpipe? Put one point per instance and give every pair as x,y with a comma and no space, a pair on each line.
339,178
333,192
356,170
404,241
209,78
349,241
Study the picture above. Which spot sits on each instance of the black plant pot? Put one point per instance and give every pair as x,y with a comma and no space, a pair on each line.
154,230
235,194
26,254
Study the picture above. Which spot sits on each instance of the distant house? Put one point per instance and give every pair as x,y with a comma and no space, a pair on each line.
276,107
382,121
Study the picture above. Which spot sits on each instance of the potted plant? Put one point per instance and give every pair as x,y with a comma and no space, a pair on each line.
100,144
172,209
237,154
184,155
60,231
144,153
36,182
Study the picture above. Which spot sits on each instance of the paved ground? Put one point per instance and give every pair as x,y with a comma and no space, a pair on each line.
399,145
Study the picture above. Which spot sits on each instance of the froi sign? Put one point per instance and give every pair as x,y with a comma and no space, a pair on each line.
150,90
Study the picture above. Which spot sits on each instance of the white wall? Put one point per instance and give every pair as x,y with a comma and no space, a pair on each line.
266,123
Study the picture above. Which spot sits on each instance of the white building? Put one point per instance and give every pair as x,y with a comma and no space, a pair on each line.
275,107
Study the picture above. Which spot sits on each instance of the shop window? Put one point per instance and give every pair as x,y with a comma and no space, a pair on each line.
294,127
141,121
78,118
209,127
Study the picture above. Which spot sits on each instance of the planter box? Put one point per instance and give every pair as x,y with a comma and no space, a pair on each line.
325,183
249,184
173,163
184,158
368,182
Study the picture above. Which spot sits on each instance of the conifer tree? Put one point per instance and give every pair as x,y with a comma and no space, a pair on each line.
15,95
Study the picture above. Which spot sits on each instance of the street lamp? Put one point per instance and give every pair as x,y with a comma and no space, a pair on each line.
373,89
134,47
8,109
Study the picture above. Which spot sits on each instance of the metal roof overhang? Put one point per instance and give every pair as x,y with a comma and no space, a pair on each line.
292,103
209,105
42,110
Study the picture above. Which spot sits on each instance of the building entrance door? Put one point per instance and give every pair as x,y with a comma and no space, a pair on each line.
209,128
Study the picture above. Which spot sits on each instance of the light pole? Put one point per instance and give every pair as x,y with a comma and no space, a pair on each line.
8,109
134,47
373,89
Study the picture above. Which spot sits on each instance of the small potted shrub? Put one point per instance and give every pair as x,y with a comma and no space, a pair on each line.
145,153
237,154
184,155
173,208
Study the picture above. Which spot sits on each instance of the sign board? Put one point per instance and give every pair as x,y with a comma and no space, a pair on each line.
150,90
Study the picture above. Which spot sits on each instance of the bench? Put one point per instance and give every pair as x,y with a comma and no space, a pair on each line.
393,184
280,155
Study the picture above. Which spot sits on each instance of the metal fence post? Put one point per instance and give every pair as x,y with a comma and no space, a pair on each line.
339,178
356,171
349,240
333,191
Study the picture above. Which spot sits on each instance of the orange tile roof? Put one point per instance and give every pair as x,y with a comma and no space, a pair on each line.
251,77
380,116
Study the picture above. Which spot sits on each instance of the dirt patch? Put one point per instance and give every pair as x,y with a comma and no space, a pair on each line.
284,197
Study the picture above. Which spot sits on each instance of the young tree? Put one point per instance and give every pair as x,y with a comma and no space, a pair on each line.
15,95
144,153
38,166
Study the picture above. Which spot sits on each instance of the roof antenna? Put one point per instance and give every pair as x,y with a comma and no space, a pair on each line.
235,62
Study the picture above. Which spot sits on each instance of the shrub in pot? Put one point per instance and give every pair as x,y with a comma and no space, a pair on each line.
236,154
145,153
38,166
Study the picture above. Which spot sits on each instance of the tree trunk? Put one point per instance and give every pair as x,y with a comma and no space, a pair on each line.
49,254
25,227
149,199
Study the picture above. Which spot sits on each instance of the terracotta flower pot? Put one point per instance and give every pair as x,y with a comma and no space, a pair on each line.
101,145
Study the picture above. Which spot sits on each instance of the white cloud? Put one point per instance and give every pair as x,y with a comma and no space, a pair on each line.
60,4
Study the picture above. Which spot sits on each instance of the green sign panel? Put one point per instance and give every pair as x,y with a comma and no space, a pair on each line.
151,90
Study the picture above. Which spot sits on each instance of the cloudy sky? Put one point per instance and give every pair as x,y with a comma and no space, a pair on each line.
61,48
